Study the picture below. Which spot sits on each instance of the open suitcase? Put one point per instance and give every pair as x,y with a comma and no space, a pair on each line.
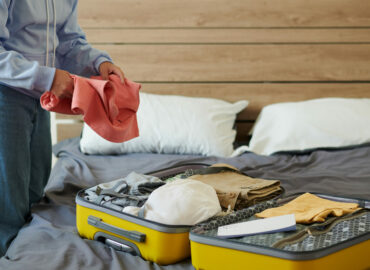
160,243
156,242
339,243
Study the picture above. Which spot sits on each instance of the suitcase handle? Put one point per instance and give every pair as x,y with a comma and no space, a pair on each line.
118,246
132,235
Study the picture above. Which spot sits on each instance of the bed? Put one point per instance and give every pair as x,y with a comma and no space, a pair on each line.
261,52
50,240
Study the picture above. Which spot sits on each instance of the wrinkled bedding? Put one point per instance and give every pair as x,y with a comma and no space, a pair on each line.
50,239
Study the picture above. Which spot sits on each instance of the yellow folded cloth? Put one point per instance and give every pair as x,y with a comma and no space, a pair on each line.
309,208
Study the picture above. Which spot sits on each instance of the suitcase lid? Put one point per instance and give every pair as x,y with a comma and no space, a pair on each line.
206,233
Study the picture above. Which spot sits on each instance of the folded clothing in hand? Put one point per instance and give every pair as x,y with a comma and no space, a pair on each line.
309,208
236,190
108,107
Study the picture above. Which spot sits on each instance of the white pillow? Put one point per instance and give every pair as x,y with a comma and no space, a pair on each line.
318,123
175,125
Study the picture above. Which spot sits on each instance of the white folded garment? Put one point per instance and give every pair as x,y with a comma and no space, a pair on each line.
182,202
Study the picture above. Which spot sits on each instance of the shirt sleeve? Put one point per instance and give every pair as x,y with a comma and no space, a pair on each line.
75,54
15,70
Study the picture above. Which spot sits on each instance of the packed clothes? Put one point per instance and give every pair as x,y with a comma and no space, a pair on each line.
181,202
133,190
235,190
187,198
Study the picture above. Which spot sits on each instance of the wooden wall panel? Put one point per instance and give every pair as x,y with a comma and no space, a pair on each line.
60,116
261,94
121,36
263,51
243,129
66,131
258,94
223,13
246,63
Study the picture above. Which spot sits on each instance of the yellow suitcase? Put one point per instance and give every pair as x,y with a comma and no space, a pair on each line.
345,246
156,242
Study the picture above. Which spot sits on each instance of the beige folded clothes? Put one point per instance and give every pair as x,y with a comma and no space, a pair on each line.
236,190
309,208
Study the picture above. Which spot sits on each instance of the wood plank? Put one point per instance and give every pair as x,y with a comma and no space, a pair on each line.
66,131
259,94
199,35
224,13
75,118
242,62
242,131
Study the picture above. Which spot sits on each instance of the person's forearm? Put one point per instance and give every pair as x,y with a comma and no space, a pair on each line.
18,72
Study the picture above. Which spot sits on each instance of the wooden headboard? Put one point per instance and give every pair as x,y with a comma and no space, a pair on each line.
263,51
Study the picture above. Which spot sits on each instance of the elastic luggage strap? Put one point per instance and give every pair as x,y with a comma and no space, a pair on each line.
238,216
317,229
209,170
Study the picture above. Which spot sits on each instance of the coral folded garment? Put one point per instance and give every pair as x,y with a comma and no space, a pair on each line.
309,208
108,107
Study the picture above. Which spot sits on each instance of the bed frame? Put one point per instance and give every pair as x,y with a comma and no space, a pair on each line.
263,51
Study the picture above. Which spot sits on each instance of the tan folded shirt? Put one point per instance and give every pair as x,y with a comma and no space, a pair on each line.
238,190
309,208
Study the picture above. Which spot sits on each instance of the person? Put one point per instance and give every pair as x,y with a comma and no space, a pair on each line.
41,44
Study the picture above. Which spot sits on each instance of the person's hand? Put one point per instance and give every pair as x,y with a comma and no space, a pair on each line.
107,68
63,84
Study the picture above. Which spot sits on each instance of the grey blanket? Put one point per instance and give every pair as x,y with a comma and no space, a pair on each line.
50,239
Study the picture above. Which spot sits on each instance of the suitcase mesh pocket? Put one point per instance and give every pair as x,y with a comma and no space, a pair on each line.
344,230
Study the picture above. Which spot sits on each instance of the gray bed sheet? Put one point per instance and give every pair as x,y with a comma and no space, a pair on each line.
50,239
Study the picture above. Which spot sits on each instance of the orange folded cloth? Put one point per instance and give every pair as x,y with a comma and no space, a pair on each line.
108,107
309,208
